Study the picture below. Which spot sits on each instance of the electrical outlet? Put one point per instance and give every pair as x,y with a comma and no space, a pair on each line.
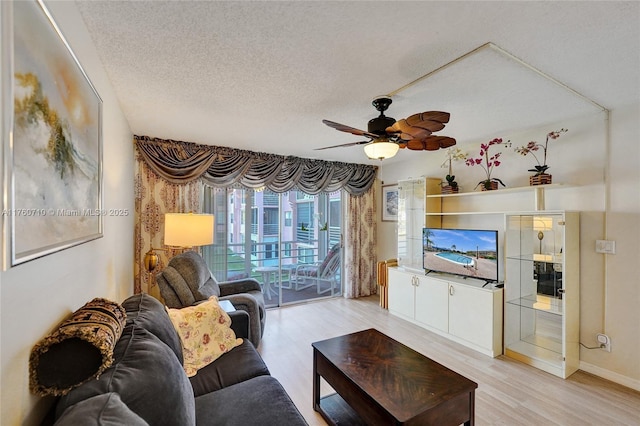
604,341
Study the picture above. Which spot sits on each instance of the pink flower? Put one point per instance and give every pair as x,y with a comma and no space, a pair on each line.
486,162
535,146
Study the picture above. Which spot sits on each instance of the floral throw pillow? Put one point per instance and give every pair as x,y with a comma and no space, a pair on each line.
205,333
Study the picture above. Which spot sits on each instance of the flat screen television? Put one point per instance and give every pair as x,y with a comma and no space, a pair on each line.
466,252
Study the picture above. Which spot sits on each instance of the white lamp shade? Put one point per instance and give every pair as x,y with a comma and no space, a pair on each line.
379,150
541,223
188,229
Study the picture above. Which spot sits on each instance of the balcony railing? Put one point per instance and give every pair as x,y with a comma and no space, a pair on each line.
233,264
270,199
267,229
306,235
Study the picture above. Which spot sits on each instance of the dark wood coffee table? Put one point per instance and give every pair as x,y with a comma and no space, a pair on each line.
380,381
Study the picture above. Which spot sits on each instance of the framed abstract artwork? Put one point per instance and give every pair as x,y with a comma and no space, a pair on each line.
52,131
389,203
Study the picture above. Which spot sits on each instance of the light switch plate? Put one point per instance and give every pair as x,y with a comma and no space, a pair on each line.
605,246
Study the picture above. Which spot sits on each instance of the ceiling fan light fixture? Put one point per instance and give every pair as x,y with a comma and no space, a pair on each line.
381,150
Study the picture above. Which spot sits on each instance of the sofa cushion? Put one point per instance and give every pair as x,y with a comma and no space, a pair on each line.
205,332
239,364
148,377
261,400
101,410
80,349
147,312
186,280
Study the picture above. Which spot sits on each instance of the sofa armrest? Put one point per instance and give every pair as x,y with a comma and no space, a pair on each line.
246,302
241,286
240,323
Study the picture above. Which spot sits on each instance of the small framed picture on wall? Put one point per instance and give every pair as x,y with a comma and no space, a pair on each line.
390,203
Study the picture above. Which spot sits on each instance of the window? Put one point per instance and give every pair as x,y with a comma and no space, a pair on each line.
264,229
270,224
304,212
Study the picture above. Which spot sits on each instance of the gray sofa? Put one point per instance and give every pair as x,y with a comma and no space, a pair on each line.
187,280
146,384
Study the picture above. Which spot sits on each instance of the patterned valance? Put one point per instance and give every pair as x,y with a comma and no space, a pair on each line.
181,162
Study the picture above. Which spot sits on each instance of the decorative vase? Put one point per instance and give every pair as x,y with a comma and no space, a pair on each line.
541,179
448,189
492,186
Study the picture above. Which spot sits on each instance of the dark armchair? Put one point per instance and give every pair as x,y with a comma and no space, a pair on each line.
187,280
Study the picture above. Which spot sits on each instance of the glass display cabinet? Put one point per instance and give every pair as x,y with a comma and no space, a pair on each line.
542,290
412,208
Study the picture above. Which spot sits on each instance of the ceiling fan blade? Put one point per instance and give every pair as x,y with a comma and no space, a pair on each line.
342,145
349,129
416,124
419,129
431,126
416,144
434,143
402,127
430,143
441,142
437,116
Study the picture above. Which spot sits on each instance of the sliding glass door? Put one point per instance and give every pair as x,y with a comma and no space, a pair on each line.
290,243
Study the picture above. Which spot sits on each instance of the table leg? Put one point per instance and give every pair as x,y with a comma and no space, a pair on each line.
316,382
289,272
266,287
472,409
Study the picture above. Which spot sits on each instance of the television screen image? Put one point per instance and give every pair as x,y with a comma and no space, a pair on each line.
466,252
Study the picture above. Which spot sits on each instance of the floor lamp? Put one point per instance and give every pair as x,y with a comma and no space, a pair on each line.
182,230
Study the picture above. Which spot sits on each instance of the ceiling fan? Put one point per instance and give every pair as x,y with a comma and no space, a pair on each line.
386,135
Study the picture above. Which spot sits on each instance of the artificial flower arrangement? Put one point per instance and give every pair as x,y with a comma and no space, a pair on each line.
453,154
534,146
488,163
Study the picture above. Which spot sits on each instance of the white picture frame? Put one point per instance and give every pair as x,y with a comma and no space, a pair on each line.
390,203
52,139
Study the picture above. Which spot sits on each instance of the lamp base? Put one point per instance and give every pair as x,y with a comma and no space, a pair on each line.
150,260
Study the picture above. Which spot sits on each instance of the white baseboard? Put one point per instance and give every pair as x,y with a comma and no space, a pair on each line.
610,375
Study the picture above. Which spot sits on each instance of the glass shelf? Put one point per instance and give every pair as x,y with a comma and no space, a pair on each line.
538,302
542,289
543,258
532,347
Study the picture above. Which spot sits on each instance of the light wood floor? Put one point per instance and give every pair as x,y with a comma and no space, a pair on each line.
509,392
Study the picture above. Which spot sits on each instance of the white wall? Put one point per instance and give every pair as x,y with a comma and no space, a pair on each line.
37,295
602,184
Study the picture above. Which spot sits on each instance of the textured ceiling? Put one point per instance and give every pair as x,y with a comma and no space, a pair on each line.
262,75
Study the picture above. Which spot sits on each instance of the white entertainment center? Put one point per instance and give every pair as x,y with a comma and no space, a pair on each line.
472,311
454,307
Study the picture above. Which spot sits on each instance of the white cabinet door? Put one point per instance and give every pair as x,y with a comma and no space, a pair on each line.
401,293
471,314
432,303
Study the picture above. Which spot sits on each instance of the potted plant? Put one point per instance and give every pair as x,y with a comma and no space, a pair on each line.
541,176
453,154
488,163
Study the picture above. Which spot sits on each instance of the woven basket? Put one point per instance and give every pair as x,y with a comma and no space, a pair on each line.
494,186
448,189
541,179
